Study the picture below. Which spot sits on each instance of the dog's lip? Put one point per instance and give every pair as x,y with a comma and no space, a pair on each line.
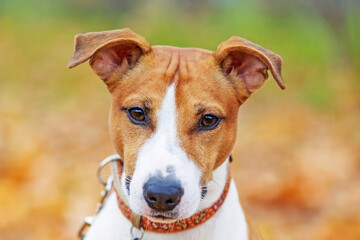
161,218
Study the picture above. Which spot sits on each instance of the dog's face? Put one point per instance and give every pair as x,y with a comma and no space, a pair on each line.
174,112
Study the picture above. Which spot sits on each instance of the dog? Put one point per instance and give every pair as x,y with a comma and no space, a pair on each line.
173,122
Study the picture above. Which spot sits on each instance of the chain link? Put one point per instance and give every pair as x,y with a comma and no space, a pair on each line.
132,234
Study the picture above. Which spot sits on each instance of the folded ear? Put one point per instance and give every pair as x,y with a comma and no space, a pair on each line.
109,50
246,65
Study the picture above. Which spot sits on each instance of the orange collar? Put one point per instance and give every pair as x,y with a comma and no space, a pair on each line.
181,224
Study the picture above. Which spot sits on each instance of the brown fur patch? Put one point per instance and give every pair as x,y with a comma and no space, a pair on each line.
202,86
199,84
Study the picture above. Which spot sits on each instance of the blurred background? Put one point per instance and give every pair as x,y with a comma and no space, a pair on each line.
297,156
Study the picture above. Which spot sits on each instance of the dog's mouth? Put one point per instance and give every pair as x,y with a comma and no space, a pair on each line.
163,217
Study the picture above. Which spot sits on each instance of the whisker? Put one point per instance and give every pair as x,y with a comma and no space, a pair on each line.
204,191
213,180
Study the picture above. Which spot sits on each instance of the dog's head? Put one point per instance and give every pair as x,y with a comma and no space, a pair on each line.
174,112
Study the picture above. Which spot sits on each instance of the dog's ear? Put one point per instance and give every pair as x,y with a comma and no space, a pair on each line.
109,50
246,64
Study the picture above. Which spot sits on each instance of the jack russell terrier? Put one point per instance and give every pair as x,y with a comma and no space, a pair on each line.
173,122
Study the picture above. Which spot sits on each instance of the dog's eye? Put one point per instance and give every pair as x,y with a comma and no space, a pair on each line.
209,122
137,115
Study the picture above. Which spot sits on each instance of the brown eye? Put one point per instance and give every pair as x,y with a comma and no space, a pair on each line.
137,115
209,122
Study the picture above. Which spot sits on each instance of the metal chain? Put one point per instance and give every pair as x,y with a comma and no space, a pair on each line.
108,186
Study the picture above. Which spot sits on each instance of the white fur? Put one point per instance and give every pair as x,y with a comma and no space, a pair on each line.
161,150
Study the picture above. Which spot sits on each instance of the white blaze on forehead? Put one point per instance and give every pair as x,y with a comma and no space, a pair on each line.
163,154
166,132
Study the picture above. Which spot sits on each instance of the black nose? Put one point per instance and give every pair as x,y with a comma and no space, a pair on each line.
162,194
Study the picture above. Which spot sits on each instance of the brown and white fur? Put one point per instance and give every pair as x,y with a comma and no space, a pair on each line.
175,88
